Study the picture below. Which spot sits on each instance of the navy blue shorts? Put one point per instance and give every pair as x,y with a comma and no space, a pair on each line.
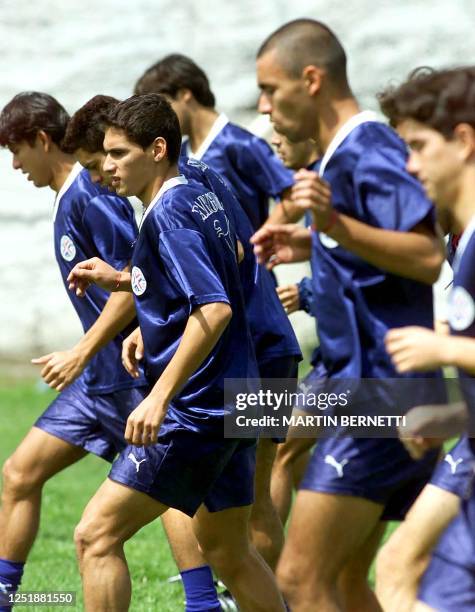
455,473
376,469
283,368
185,469
93,422
447,586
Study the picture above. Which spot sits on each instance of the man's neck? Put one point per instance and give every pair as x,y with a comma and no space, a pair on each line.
62,164
332,117
154,186
201,122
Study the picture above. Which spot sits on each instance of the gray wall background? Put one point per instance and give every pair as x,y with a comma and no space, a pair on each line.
74,50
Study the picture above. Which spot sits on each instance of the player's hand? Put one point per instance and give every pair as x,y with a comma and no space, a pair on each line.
415,348
61,368
417,447
289,297
92,271
276,244
132,352
144,422
310,192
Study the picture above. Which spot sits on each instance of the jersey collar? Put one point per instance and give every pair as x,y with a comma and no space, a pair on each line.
173,182
75,170
464,240
218,125
343,132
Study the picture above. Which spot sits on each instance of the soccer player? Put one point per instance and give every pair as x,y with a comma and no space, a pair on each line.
244,160
364,279
97,394
192,317
434,114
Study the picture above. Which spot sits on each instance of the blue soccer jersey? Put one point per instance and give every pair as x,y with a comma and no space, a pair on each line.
90,221
461,310
248,165
185,256
271,330
355,302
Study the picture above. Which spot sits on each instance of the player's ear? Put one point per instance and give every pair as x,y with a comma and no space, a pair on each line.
44,140
159,148
184,95
465,136
313,79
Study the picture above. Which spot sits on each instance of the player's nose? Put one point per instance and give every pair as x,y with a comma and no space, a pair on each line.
412,164
16,163
263,105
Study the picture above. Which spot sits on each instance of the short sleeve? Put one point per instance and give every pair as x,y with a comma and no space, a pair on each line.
262,168
388,196
111,225
185,254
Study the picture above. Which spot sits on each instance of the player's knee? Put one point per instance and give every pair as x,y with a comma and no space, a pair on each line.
92,539
18,483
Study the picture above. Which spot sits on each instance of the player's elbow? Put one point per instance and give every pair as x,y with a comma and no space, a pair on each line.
428,270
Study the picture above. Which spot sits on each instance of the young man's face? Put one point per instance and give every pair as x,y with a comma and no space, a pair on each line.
128,167
294,155
285,99
93,163
32,161
434,160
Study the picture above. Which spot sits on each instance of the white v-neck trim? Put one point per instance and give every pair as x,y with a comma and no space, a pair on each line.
464,240
216,128
75,170
173,182
343,132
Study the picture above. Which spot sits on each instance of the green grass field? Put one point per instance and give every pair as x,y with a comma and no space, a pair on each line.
52,563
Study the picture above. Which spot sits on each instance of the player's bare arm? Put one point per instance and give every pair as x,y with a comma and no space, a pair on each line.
98,272
61,368
202,332
285,211
133,352
421,349
276,244
418,254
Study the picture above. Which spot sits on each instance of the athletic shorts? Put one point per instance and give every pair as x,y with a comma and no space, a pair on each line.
377,469
93,422
455,472
447,586
281,368
185,469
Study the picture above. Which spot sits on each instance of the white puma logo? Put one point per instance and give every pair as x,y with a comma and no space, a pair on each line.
330,460
453,464
134,460
4,587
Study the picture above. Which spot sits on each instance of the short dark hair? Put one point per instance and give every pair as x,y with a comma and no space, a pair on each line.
305,42
28,113
175,72
440,99
144,118
86,127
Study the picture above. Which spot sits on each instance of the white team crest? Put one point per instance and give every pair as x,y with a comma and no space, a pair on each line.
461,309
67,248
327,241
139,284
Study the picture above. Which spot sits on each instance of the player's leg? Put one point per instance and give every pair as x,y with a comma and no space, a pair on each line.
38,457
267,532
356,593
196,575
420,606
326,532
404,557
224,540
289,466
113,516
